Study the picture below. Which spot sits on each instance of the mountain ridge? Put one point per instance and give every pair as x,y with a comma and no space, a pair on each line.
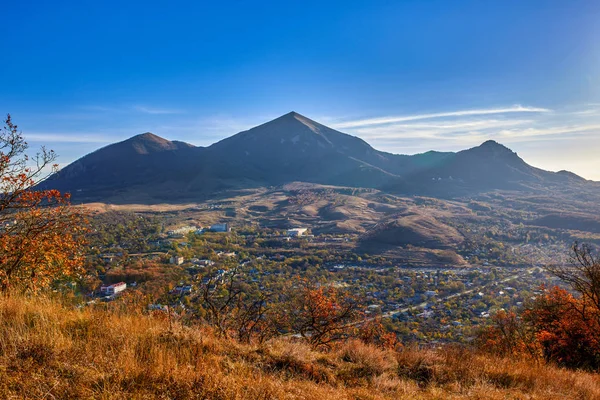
292,148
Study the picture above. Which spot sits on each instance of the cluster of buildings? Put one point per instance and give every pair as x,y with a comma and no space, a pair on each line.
184,230
202,263
182,290
180,232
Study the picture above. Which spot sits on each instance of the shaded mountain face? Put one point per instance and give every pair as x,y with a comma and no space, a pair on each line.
295,148
139,161
290,148
486,167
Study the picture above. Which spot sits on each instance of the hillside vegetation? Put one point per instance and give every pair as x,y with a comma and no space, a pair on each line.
50,349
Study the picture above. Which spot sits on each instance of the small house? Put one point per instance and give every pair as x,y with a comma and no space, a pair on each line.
177,260
109,290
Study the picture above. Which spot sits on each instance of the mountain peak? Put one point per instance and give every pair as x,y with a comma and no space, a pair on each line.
494,148
288,127
295,142
293,116
493,144
147,135
570,175
148,142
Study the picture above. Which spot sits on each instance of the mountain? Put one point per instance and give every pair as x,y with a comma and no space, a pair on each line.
488,165
290,148
293,146
485,167
138,161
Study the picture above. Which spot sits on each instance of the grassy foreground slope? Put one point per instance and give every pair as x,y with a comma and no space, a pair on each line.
53,351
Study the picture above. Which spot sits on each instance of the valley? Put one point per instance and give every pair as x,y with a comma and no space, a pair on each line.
432,245
434,270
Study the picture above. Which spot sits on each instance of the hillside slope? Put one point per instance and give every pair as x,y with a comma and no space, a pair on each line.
490,166
136,164
49,350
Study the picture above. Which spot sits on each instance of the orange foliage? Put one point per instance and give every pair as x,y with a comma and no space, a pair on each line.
40,233
559,327
509,335
566,329
373,332
322,315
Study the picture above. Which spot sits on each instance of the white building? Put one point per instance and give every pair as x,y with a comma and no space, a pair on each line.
220,227
115,288
296,231
204,262
177,260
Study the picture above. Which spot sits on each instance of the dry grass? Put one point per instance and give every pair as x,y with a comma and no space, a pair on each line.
53,351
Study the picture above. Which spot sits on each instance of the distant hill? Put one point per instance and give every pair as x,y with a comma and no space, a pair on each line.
583,222
486,167
148,168
295,148
138,162
412,229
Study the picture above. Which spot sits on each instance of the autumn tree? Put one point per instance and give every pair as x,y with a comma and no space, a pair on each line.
566,328
40,233
560,326
582,273
235,309
509,335
372,331
322,314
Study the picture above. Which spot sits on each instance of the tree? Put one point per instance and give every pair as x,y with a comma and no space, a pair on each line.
582,273
322,315
561,326
509,335
235,310
566,328
41,235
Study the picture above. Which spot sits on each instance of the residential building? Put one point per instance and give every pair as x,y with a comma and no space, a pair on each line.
115,288
204,262
182,231
224,227
177,260
182,290
296,231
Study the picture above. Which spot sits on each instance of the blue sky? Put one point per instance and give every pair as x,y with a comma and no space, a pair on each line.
407,76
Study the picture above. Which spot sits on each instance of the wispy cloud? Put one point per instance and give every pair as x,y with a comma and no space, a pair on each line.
530,133
66,138
93,109
541,136
448,130
154,110
460,113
